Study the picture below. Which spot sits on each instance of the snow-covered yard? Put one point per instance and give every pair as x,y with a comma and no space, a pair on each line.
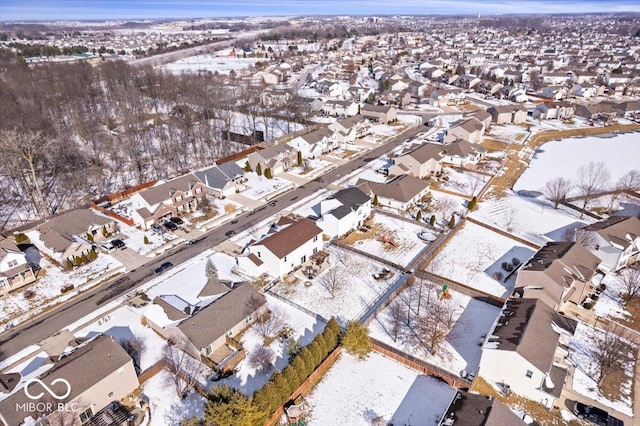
259,187
393,239
475,254
564,158
511,133
460,351
357,392
464,182
356,287
533,219
134,239
166,406
585,374
210,63
314,167
610,303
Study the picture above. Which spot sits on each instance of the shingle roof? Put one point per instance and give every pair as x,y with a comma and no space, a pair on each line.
403,188
216,319
164,191
426,152
617,229
351,197
562,261
58,232
288,239
218,176
468,409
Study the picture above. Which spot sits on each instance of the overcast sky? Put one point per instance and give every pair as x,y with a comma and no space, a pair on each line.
134,9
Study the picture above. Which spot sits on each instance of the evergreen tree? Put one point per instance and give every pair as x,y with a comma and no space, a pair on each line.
307,359
293,379
452,221
84,258
104,232
282,388
226,406
301,368
299,158
472,203
93,255
316,353
146,240
210,270
77,260
267,173
375,200
356,339
259,169
419,215
266,399
69,264
432,221
322,343
247,166
90,237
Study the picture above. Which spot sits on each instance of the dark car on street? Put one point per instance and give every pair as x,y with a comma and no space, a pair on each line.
163,268
177,220
595,415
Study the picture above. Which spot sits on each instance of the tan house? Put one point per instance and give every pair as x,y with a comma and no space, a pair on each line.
461,153
507,114
352,128
71,234
470,129
15,272
166,200
92,376
278,158
617,241
379,113
419,162
400,193
559,272
207,333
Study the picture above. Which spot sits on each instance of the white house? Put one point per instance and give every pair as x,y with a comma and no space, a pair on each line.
337,108
221,179
351,128
522,351
617,241
286,246
15,272
460,152
316,143
345,211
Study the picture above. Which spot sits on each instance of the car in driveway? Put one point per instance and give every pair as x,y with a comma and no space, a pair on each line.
170,225
158,229
107,247
163,268
177,220
595,415
118,243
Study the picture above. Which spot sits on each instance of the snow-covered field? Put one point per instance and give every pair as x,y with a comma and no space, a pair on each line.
460,351
466,183
357,290
511,133
403,234
259,187
210,63
304,329
564,158
360,392
610,303
533,219
585,374
316,167
166,406
474,254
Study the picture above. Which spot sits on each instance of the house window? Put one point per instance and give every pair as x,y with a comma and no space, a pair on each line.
303,259
207,350
12,263
285,258
86,415
258,254
110,394
529,374
199,190
315,238
315,250
229,333
178,198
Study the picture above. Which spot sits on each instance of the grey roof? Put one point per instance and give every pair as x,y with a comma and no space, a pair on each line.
274,151
352,197
462,148
403,188
340,211
376,108
217,177
58,232
525,326
563,261
216,319
84,367
164,191
288,239
8,245
621,230
468,409
426,152
501,109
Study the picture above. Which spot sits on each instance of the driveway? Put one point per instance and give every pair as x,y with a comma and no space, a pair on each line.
130,258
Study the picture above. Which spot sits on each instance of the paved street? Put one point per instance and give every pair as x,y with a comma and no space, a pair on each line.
31,332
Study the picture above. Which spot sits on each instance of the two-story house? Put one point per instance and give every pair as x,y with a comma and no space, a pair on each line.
470,129
400,193
221,179
379,113
559,272
286,246
337,108
616,241
343,212
524,352
418,161
507,114
554,110
167,199
15,272
352,128
278,158
316,143
462,153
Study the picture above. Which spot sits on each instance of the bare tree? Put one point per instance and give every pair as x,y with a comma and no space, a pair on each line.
592,179
611,350
437,321
630,181
578,235
395,314
183,369
261,358
556,190
134,348
630,278
268,324
332,280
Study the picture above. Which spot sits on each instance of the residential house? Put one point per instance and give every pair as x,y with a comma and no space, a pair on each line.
343,212
616,241
467,81
71,234
329,88
399,85
167,199
506,114
462,153
400,193
447,97
278,158
556,93
417,89
93,375
524,352
208,332
470,129
488,87
351,128
559,272
316,143
484,117
379,113
336,108
15,272
554,110
221,179
419,161
470,409
587,90
599,110
285,247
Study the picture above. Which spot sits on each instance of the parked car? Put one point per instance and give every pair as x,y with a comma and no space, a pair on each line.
595,415
177,220
119,244
163,268
272,203
170,225
384,172
107,247
157,228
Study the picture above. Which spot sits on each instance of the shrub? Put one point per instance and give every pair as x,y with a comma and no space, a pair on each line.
104,232
375,200
602,287
356,339
90,237
28,294
84,258
267,173
419,215
93,255
146,240
507,266
66,288
516,262
247,166
452,222
259,169
472,203
21,238
594,297
587,305
69,264
497,276
432,221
